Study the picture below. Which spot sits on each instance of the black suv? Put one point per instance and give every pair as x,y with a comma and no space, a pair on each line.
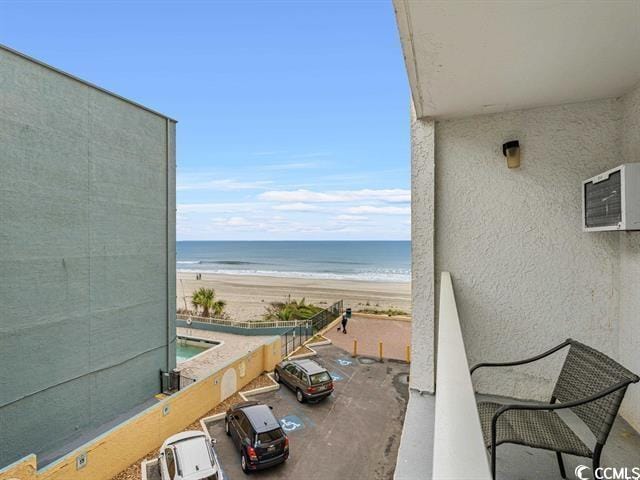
257,434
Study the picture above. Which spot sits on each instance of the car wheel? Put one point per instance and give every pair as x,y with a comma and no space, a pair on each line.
226,426
299,396
276,375
244,464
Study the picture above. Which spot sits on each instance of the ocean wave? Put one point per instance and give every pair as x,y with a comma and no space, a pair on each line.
394,276
227,262
335,262
215,262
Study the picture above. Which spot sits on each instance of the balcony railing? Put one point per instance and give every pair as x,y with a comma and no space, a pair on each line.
458,450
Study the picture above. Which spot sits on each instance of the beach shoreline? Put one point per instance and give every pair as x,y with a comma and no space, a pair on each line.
247,295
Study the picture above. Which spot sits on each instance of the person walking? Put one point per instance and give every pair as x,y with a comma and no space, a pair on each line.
345,319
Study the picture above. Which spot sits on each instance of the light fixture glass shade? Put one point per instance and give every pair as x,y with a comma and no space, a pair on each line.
511,150
513,157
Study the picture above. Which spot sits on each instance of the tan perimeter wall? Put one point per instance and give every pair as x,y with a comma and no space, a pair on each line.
118,448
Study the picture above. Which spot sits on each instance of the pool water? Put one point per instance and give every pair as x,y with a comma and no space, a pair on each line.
185,352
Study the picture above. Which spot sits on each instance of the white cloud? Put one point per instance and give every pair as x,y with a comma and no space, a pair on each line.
380,210
184,208
226,184
291,166
388,195
237,222
351,218
310,155
296,207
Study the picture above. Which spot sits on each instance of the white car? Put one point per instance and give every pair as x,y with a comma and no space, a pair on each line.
189,456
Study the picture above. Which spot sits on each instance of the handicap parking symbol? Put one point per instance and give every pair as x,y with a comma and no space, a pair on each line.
335,376
291,423
344,362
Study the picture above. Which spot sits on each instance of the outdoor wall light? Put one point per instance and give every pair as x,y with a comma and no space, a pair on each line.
511,150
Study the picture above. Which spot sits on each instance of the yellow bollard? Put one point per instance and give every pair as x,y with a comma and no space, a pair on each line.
355,348
380,349
408,355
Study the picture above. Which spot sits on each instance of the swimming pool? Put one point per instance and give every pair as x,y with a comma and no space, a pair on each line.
188,347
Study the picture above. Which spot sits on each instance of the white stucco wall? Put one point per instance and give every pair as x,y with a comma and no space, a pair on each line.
422,281
630,266
525,275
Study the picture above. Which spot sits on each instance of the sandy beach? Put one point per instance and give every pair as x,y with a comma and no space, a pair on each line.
246,296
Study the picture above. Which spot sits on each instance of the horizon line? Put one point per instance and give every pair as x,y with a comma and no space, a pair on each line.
300,240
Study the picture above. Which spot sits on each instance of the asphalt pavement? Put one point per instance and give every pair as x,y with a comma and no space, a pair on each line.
352,434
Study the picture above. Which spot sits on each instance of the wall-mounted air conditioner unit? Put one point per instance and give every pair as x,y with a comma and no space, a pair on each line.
611,200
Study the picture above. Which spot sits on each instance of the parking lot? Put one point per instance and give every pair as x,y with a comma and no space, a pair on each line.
353,434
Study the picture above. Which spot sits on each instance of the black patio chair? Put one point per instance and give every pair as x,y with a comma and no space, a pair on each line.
590,383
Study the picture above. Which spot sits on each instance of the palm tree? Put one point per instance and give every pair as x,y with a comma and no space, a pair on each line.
290,310
285,314
205,298
217,308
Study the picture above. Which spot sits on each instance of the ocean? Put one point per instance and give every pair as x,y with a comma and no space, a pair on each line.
381,261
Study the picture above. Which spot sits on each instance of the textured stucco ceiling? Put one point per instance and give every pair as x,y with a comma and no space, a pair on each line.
466,58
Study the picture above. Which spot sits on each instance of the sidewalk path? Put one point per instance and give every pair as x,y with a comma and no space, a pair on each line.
369,330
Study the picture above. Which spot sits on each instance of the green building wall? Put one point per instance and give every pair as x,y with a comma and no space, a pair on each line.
87,256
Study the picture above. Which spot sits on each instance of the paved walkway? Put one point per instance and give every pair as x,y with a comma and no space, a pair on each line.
232,347
369,330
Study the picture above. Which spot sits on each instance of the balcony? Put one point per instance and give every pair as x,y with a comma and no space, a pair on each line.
442,437
562,79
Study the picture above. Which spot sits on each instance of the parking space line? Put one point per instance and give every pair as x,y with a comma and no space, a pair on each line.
344,374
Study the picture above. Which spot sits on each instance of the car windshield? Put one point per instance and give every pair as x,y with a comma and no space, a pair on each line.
268,437
321,377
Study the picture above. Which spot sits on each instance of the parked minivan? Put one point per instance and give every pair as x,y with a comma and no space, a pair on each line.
307,378
257,434
189,456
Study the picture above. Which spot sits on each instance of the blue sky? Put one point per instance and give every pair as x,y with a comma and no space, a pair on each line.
293,115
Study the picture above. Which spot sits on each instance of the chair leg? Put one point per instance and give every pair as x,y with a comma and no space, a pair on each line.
563,474
493,452
597,452
493,462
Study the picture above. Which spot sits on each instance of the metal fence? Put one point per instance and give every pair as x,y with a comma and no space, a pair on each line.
297,336
318,321
325,317
171,382
294,338
249,324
